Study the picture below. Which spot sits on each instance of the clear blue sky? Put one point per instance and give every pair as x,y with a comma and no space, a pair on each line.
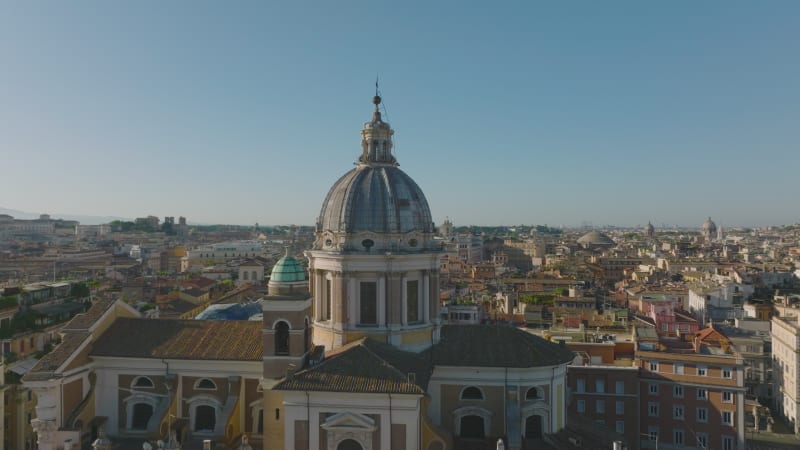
527,113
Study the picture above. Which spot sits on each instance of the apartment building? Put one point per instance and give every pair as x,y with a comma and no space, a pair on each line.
692,399
786,367
605,390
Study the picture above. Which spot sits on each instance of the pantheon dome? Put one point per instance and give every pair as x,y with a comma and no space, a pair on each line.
596,239
375,205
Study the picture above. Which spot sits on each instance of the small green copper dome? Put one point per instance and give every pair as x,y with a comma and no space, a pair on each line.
288,270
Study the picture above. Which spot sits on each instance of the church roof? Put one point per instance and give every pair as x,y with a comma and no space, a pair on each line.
496,346
49,364
363,366
369,366
220,340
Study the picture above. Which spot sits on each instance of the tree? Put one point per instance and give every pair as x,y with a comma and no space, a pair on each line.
79,290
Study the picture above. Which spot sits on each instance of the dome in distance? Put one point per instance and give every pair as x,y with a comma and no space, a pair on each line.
595,239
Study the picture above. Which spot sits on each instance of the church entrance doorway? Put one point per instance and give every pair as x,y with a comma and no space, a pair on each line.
349,444
141,416
533,427
206,418
472,427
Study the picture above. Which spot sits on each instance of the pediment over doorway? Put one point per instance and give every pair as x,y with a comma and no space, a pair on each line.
348,421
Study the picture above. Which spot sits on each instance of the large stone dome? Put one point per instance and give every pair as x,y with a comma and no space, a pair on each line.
380,199
375,206
595,239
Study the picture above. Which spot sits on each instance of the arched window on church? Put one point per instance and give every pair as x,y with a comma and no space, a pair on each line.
282,338
205,384
532,394
142,382
472,393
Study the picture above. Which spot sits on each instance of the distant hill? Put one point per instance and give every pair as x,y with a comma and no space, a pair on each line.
83,219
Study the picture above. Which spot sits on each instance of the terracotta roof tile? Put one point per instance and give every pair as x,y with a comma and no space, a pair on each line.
49,364
496,346
222,340
86,320
363,366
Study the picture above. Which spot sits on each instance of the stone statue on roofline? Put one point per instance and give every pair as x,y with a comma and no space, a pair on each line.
245,445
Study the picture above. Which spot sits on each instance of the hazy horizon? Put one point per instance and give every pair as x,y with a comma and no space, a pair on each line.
554,114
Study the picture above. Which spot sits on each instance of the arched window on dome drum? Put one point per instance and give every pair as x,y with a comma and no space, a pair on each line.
282,338
532,394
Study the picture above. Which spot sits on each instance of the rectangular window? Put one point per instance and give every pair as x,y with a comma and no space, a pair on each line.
620,408
652,409
702,394
727,373
620,427
702,415
677,412
619,387
653,366
677,368
727,417
368,300
581,406
600,386
728,443
727,396
652,432
600,406
412,301
653,388
701,371
677,437
702,440
328,299
581,385
677,392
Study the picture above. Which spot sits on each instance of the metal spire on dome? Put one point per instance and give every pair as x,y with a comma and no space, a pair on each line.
376,116
376,137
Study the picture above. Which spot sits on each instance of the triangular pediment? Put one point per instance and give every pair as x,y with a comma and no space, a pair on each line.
348,421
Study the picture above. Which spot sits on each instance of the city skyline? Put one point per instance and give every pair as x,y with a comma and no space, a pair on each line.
532,115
